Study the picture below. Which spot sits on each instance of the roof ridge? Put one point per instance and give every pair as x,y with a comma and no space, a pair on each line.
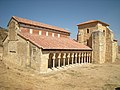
92,21
36,23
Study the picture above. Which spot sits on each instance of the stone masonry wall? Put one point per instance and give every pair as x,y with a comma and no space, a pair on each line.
83,36
98,47
109,40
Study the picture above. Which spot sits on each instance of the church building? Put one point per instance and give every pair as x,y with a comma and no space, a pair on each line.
42,47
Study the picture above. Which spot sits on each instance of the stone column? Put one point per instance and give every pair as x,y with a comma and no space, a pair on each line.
53,60
79,58
89,56
86,57
72,56
82,58
64,56
68,56
75,58
59,56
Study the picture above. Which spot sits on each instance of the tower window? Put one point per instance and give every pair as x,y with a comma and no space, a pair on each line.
88,31
104,31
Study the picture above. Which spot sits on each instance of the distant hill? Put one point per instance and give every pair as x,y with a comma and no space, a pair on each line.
3,35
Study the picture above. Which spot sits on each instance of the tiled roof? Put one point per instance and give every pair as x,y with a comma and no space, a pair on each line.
92,21
34,23
48,42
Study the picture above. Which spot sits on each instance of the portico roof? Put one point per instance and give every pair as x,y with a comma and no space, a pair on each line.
48,42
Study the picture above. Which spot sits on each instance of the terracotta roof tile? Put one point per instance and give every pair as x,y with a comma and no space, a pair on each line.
92,21
48,42
26,21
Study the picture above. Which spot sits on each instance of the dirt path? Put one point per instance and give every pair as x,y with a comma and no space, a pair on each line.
84,77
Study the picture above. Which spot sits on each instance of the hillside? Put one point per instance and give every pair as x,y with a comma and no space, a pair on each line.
84,77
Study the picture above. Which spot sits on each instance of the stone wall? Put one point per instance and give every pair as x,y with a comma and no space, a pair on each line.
20,51
109,40
35,57
98,46
100,38
44,62
114,50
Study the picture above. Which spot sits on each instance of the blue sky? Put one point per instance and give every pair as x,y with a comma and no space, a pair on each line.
63,13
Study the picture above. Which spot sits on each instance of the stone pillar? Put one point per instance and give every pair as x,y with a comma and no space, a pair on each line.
64,57
68,56
53,60
72,57
89,56
82,58
59,56
75,58
86,57
79,58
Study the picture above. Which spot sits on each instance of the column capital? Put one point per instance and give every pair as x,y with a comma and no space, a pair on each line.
85,54
75,54
68,55
79,54
82,54
72,55
53,56
59,56
64,55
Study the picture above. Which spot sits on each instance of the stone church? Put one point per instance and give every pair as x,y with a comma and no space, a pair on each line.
43,47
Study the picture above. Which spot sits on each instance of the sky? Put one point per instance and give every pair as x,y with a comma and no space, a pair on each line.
63,13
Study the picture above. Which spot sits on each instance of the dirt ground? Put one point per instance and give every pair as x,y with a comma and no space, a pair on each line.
82,77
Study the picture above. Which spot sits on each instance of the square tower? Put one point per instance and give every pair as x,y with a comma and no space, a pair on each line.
85,31
99,37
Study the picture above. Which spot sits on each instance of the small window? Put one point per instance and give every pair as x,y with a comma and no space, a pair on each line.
13,51
88,31
40,32
53,34
31,31
46,33
58,35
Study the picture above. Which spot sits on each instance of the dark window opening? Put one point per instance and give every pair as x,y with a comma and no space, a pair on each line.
87,30
13,51
104,31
